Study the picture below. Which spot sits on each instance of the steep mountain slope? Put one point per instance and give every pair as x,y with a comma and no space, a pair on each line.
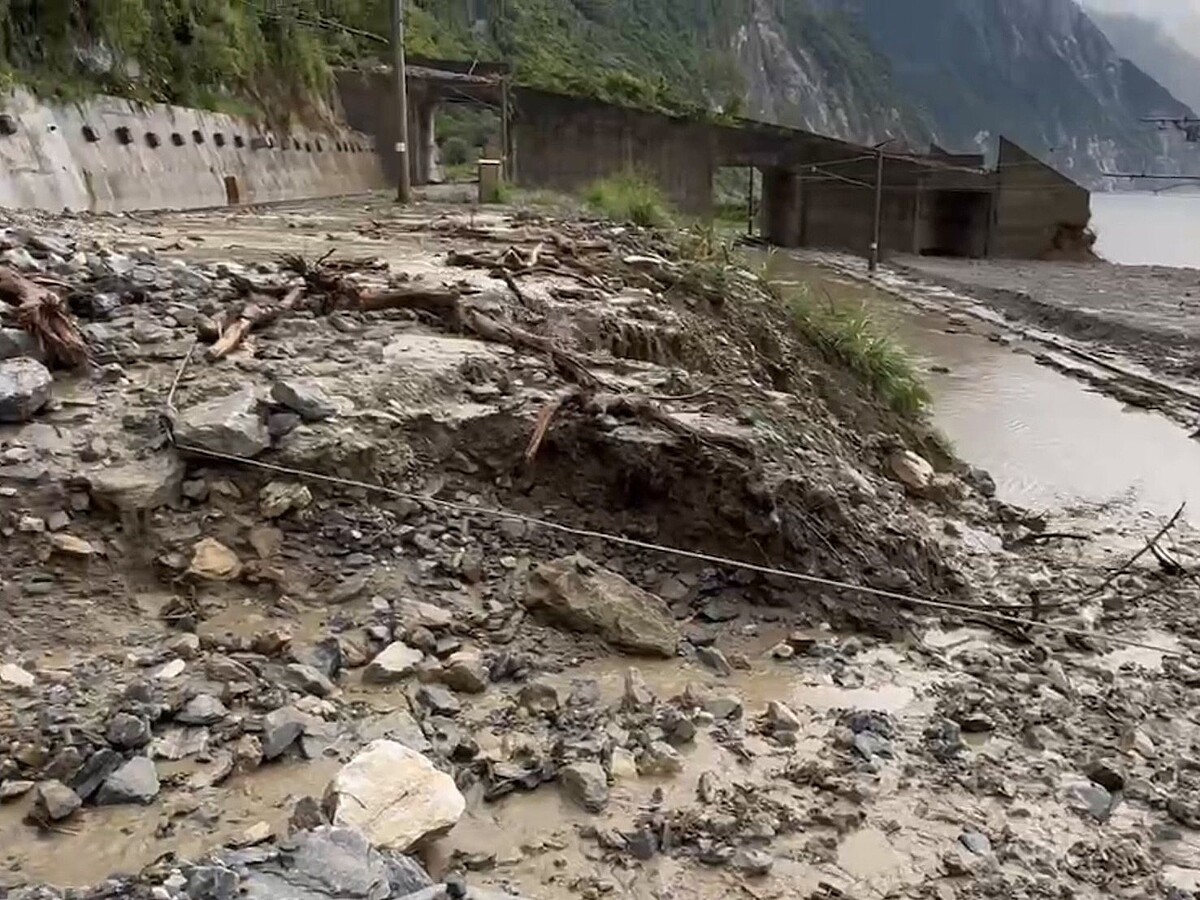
1038,71
813,68
958,71
1152,48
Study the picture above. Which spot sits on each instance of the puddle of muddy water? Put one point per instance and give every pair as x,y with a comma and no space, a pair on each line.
102,841
1047,440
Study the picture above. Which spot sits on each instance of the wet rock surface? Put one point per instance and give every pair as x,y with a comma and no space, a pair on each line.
269,686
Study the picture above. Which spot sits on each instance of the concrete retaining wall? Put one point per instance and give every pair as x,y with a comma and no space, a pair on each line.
566,143
108,155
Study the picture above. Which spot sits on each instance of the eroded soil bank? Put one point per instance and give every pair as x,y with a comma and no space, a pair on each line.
223,677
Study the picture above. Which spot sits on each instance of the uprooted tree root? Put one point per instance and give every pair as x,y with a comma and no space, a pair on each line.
44,315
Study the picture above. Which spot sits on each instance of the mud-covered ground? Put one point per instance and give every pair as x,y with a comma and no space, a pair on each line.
202,646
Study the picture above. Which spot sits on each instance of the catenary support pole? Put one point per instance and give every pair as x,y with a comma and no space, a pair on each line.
877,229
400,72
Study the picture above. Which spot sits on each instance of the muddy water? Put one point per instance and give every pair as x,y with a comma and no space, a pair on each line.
1048,440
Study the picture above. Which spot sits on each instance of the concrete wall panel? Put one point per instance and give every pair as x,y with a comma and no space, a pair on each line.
109,155
1032,202
566,143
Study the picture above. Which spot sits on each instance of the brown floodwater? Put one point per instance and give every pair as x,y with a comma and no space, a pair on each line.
1048,440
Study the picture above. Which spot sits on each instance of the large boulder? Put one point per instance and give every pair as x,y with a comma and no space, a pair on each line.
140,486
24,388
233,425
134,782
394,796
321,864
580,595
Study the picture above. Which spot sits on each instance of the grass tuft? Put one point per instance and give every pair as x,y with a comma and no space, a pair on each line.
631,199
849,336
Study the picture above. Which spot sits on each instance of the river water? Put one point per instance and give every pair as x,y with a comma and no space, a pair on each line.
1048,440
1142,229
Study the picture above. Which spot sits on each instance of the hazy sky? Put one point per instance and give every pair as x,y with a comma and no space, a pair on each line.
1169,12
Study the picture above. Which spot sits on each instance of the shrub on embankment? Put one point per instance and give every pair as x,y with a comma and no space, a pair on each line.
845,334
629,198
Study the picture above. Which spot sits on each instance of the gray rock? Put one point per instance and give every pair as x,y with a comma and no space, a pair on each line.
405,874
134,782
305,396
728,707
233,424
660,758
577,593
868,744
1107,774
127,732
307,680
400,726
714,659
781,717
321,864
94,772
754,863
203,709
280,729
585,785
325,656
140,486
395,663
438,700
211,883
1090,799
307,815
465,672
53,801
539,697
637,696
975,842
14,343
24,388
11,789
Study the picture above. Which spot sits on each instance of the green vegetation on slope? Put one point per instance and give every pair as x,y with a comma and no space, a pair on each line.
669,54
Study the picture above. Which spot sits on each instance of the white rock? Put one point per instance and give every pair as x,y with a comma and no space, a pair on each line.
623,766
16,676
170,670
911,470
213,561
395,663
394,796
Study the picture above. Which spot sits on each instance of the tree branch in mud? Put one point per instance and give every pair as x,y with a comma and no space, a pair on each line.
44,314
252,316
1150,544
633,406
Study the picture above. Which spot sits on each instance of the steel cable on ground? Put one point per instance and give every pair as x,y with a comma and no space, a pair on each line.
709,558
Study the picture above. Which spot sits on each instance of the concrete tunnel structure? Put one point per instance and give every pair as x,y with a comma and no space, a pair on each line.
818,191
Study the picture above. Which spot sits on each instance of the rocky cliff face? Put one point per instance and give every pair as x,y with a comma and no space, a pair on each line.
817,70
962,72
1156,51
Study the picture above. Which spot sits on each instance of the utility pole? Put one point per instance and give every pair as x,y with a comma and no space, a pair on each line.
400,72
877,230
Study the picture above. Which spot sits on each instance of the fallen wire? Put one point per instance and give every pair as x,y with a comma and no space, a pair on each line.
1153,542
621,540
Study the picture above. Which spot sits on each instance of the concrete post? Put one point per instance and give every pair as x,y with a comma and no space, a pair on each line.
782,204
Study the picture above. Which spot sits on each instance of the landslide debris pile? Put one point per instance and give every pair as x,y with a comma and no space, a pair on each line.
312,689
